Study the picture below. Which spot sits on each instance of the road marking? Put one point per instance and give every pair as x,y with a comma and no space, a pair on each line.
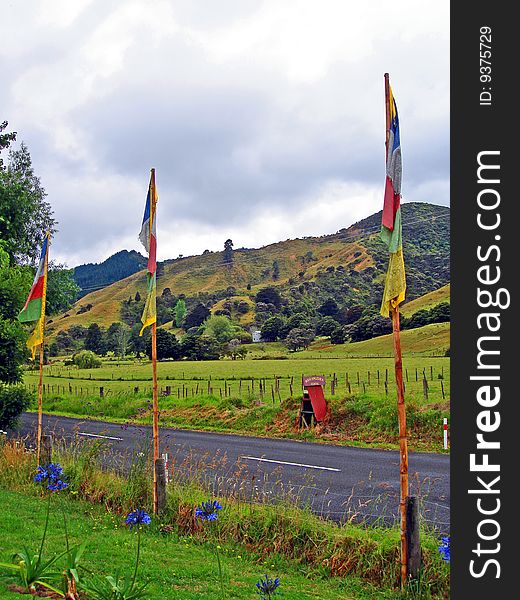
292,464
106,437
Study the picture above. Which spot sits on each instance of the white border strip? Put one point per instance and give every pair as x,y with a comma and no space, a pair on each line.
292,464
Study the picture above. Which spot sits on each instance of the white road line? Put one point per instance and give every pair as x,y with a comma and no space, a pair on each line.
293,464
105,437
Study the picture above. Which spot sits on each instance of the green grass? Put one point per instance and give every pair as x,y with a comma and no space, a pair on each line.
177,566
313,558
259,397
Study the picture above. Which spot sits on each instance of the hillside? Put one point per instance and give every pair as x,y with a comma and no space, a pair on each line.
98,275
348,266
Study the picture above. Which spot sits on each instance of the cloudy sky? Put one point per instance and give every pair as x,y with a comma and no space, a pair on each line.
264,119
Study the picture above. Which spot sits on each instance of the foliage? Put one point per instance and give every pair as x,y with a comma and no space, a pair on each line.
118,266
94,340
13,350
14,400
61,289
196,316
86,359
269,295
273,328
5,140
167,346
299,338
25,216
219,327
228,252
180,311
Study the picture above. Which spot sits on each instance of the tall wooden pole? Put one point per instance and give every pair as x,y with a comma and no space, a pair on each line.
40,380
401,407
40,409
155,417
155,402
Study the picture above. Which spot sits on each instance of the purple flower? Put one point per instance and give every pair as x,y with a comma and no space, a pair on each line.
207,511
138,517
52,474
267,587
445,549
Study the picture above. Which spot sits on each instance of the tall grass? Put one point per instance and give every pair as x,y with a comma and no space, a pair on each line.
262,527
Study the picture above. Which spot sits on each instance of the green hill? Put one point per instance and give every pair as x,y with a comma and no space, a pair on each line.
348,266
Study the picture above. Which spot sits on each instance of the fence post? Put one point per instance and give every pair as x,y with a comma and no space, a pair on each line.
46,450
413,536
160,475
101,392
425,386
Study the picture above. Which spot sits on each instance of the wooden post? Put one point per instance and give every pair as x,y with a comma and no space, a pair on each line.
160,479
101,392
155,420
401,409
40,409
413,537
46,450
425,386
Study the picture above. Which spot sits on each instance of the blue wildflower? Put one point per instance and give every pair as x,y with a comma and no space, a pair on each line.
445,548
207,511
267,587
138,517
53,475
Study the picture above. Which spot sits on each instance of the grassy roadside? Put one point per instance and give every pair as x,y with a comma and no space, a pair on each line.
365,420
177,566
314,558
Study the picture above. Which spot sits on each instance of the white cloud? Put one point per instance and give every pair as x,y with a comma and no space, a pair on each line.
264,119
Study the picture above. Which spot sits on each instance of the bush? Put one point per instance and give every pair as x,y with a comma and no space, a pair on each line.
14,399
86,359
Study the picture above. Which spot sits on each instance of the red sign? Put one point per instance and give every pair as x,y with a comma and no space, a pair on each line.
313,380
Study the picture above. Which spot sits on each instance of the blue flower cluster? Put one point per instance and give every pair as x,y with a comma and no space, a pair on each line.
267,587
208,511
52,474
138,517
445,549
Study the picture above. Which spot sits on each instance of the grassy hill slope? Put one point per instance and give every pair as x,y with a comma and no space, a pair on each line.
348,265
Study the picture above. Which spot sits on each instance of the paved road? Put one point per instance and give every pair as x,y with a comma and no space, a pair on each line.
338,482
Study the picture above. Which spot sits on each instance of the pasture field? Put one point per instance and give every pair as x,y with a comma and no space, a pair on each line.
260,397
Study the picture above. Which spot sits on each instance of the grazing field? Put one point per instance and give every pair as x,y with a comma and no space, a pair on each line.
260,397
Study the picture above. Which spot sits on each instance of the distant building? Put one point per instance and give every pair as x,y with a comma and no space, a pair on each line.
257,335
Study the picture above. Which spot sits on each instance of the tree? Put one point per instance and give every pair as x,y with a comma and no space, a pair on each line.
299,338
167,346
326,326
62,290
269,295
95,339
13,351
25,216
196,316
276,270
272,328
228,252
14,399
118,339
329,308
219,327
86,360
180,311
5,140
338,336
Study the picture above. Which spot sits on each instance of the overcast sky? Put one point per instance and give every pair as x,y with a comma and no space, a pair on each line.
264,120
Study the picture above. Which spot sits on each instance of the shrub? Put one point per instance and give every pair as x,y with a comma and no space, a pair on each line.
14,399
86,359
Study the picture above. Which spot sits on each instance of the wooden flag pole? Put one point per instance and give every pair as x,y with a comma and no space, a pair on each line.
40,381
40,409
401,407
155,402
155,417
